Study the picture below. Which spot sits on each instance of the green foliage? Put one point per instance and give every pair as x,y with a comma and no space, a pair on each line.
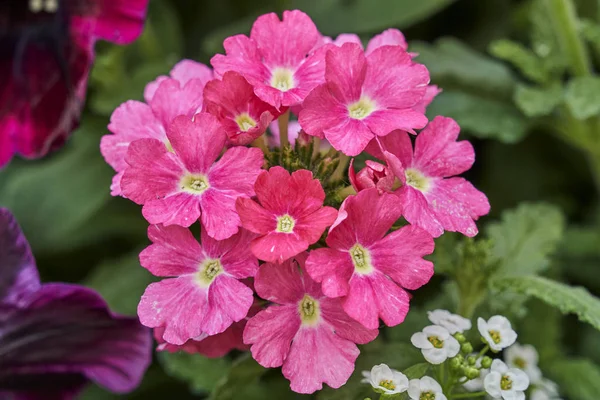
583,96
202,374
241,381
568,299
537,101
525,238
541,317
529,64
577,378
417,371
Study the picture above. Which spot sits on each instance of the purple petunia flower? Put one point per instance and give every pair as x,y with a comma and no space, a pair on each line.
55,337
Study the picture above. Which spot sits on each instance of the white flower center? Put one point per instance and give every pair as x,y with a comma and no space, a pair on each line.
285,224
282,79
417,180
245,122
361,259
209,270
309,310
194,183
362,108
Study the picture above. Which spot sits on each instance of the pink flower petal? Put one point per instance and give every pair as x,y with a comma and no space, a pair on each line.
278,247
237,170
228,301
343,38
119,21
218,213
181,209
360,303
273,190
234,253
254,217
186,70
392,301
345,327
399,144
311,226
173,98
346,68
174,251
280,284
417,211
382,122
332,268
242,56
351,137
430,93
321,111
389,37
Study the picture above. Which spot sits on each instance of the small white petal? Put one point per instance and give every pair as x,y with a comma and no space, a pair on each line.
401,382
491,383
430,384
420,341
436,330
435,356
519,378
499,366
451,346
414,389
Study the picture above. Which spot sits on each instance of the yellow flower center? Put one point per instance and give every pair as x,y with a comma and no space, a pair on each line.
520,363
416,179
245,122
309,311
209,270
495,335
194,183
436,342
285,224
388,384
505,383
361,109
282,79
427,396
361,259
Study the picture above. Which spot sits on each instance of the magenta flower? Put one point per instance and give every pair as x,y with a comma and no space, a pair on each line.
277,58
365,96
166,98
56,337
433,199
182,186
243,115
389,37
373,175
47,53
205,296
303,331
289,215
367,268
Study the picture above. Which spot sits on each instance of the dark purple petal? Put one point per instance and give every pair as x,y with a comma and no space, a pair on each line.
68,331
18,274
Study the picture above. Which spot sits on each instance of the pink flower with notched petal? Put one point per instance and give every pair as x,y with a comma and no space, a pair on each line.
365,96
289,215
368,269
373,175
181,186
433,199
243,115
166,98
277,58
205,296
303,331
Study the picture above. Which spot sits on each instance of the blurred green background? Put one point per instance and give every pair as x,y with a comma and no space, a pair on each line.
79,233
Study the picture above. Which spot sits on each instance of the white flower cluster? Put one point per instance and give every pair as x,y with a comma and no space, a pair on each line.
385,380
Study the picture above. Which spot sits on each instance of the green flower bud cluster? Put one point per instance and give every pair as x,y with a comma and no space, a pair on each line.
464,364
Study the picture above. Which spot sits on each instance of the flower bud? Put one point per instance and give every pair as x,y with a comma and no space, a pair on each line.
486,362
455,362
460,337
472,373
466,348
373,175
471,360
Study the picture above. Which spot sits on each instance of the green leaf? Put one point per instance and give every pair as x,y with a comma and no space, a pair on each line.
244,373
482,117
583,96
591,32
522,58
542,318
417,371
54,197
525,238
568,299
121,282
577,378
202,374
538,101
544,38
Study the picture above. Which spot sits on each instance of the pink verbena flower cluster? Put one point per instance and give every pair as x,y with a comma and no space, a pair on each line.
263,276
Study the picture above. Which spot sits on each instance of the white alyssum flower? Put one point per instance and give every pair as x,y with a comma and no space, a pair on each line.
386,380
524,357
436,344
452,322
497,332
506,383
425,388
545,389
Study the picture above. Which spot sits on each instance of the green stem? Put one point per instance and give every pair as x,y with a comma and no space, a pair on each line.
283,123
483,351
468,395
341,168
565,22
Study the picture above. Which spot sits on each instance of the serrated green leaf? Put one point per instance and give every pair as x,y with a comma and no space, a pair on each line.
538,101
577,378
53,197
417,371
583,96
480,116
201,373
525,238
522,58
244,373
121,282
568,299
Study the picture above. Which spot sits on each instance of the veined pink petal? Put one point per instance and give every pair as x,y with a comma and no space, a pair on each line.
397,143
228,301
350,137
346,68
234,253
361,302
186,70
430,93
237,170
174,251
173,98
389,37
118,21
417,211
218,213
343,38
254,217
345,327
242,56
383,122
332,268
392,301
278,247
310,227
177,209
273,189
321,111
280,284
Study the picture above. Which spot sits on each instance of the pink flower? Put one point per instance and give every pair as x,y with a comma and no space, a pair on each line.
389,37
205,296
432,199
373,175
365,96
181,186
368,269
293,132
179,95
243,115
303,331
289,215
277,58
